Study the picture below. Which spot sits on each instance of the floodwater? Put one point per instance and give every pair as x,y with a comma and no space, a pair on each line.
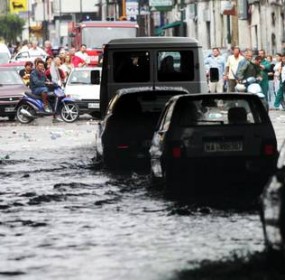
61,218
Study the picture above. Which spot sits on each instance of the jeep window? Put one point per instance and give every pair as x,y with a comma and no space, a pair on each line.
131,67
175,66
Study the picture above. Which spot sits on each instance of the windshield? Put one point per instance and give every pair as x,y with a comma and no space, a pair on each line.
95,37
80,77
10,77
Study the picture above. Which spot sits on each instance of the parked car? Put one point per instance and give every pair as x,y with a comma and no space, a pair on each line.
273,209
12,90
83,85
27,56
219,143
16,65
123,136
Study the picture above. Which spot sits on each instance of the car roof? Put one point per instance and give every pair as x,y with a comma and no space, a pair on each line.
218,95
134,90
150,42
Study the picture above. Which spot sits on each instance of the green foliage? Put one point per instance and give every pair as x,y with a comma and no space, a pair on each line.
11,27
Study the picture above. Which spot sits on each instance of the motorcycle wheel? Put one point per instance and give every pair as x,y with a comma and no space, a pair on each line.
69,112
22,118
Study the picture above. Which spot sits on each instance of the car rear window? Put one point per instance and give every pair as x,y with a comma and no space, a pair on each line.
217,112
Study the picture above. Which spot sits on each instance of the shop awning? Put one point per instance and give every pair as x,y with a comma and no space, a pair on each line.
160,30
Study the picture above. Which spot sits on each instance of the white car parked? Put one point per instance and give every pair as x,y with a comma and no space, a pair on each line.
83,85
28,56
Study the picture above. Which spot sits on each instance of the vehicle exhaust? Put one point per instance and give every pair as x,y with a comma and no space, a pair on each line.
26,113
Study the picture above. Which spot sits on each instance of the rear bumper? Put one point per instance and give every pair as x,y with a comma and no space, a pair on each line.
220,174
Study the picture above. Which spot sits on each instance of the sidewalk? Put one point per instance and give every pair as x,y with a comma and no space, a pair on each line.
278,121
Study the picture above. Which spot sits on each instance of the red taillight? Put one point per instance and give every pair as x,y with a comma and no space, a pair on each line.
269,149
176,152
123,146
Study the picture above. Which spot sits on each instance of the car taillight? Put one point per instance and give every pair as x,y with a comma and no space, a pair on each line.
176,152
123,146
269,149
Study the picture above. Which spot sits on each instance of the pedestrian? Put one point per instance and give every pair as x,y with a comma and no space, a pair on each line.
277,72
248,67
81,57
54,73
216,60
265,68
26,72
48,48
67,65
279,99
231,68
36,51
48,62
271,93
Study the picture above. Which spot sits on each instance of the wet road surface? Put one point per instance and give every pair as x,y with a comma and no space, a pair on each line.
61,218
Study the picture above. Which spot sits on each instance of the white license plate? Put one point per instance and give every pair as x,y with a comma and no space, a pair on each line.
93,105
235,146
9,109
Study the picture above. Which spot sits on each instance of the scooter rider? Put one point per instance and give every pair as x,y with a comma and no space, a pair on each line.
38,83
248,68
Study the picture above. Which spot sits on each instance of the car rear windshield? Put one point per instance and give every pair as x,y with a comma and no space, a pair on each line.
218,111
138,104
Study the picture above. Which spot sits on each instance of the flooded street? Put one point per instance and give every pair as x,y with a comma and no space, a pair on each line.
61,218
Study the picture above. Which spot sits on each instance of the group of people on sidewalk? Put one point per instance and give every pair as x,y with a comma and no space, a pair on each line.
238,66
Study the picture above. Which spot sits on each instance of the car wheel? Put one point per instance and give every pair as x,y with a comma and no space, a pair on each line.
69,112
25,113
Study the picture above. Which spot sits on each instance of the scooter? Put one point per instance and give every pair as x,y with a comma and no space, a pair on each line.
251,85
31,106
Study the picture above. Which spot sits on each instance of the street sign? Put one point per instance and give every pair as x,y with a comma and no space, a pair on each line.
17,6
161,5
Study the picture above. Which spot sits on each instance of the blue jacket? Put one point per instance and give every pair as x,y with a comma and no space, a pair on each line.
216,62
37,79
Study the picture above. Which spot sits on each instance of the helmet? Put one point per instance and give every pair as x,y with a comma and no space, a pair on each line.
240,87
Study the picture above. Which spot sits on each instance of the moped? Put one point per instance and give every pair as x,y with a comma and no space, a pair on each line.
251,85
31,106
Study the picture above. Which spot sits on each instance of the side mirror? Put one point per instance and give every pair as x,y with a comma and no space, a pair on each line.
214,74
95,77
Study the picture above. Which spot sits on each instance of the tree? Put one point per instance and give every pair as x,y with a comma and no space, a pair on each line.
11,27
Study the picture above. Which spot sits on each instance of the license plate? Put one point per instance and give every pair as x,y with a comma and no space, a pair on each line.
9,109
235,146
93,105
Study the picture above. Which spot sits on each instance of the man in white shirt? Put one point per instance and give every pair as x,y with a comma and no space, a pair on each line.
36,51
231,68
83,56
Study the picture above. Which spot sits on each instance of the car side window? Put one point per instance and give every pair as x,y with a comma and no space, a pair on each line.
175,66
131,67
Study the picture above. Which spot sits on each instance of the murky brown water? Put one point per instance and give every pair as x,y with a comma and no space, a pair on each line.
63,219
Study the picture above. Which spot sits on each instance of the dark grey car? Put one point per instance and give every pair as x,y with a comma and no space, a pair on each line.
213,144
124,135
